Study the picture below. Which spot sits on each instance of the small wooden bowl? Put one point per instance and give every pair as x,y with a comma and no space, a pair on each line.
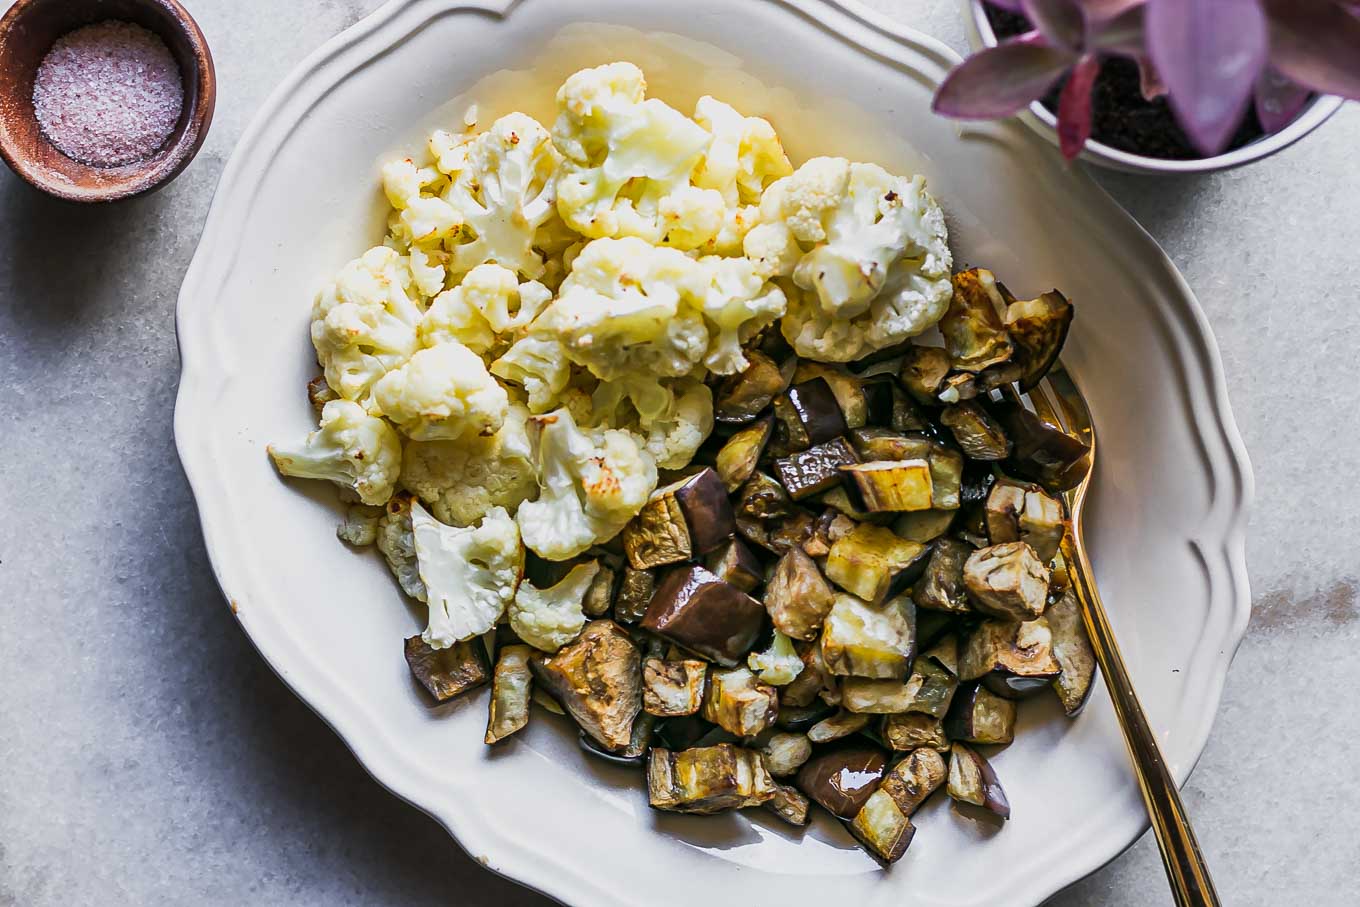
27,32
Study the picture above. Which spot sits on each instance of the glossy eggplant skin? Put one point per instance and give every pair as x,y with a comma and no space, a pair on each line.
698,611
810,413
1038,328
802,717
1041,453
739,457
840,780
686,518
744,396
883,825
978,715
816,469
972,780
761,503
977,433
1012,658
446,673
734,563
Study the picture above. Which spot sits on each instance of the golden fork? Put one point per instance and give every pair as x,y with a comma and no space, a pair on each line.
1058,402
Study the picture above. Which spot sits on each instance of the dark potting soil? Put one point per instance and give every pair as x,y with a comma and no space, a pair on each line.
1120,116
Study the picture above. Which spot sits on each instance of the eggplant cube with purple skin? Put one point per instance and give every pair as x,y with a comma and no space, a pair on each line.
892,485
815,470
860,639
1014,658
1072,649
873,562
697,611
883,824
739,703
511,686
686,518
446,673
735,563
942,587
673,688
707,780
974,335
913,730
972,780
977,715
1007,580
790,805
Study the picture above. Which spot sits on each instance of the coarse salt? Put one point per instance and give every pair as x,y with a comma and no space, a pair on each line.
108,94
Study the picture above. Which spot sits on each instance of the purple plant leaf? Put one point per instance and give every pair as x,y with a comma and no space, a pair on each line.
1074,106
1209,53
1317,44
1000,80
1061,22
1278,100
1010,6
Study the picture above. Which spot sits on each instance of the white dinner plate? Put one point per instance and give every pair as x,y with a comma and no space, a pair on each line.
300,197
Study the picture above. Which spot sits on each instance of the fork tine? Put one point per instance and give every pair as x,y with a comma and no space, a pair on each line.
1079,422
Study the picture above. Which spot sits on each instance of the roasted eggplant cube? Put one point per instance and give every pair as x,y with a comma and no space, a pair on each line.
739,703
708,779
738,458
635,594
972,780
924,369
761,504
685,518
742,397
510,689
797,596
889,404
872,562
811,682
1022,512
445,673
877,697
913,730
802,717
784,753
810,413
816,469
1072,649
942,586
1041,452
789,805
834,727
673,688
598,680
1038,328
847,388
699,612
734,563
977,433
915,778
973,333
883,828
1013,658
840,780
1007,581
860,639
892,485
931,685
924,525
978,715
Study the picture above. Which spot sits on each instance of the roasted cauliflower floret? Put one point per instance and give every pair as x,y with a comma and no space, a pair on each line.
486,312
743,157
364,322
591,484
548,619
737,302
351,448
419,216
627,162
875,261
470,574
461,480
503,190
624,310
672,418
442,393
780,664
540,365
397,542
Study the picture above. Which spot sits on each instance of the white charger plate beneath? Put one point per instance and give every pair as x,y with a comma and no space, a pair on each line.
300,197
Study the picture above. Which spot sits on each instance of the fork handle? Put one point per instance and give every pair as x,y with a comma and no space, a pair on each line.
1185,867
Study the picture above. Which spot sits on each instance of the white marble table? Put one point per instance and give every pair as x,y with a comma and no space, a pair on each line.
148,756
